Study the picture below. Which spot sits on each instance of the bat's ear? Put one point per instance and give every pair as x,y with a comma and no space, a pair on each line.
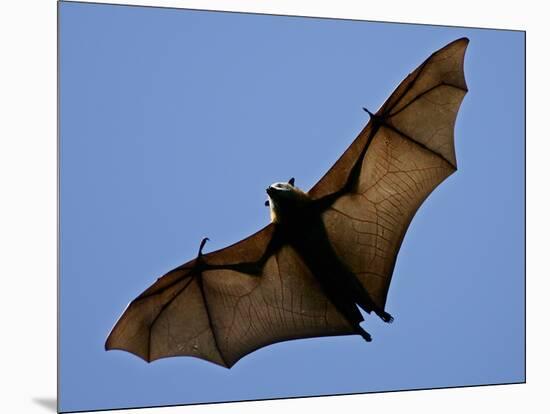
291,181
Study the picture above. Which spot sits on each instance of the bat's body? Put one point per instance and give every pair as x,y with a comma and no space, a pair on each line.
298,223
325,251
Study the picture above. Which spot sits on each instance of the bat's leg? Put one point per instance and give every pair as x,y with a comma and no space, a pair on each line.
366,336
364,300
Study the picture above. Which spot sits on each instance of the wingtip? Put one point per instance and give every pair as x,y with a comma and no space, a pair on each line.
461,41
111,344
110,347
464,41
458,45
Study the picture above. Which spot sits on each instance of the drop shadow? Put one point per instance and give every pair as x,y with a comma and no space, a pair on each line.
48,403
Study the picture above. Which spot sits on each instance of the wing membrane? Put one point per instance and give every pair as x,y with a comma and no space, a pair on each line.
402,156
220,314
396,177
285,302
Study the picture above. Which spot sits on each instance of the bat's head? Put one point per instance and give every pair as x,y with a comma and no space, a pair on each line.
285,200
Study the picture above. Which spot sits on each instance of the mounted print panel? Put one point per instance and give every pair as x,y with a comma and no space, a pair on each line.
259,206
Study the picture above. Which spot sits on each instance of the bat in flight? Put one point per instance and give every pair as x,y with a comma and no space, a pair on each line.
325,252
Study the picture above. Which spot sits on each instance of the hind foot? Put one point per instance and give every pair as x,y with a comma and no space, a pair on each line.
366,336
385,316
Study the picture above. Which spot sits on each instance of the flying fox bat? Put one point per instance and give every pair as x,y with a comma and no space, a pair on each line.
325,252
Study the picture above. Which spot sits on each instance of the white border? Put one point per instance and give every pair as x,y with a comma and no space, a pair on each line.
504,15
28,203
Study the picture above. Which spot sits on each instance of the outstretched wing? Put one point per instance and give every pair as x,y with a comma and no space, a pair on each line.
224,305
239,299
373,191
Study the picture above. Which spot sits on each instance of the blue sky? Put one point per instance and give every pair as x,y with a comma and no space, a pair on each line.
172,124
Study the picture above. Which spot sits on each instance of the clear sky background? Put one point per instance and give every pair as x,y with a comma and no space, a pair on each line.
173,123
